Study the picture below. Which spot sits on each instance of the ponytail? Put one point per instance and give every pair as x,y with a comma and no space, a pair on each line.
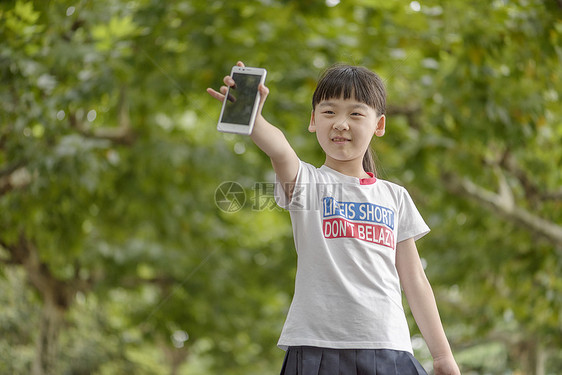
369,161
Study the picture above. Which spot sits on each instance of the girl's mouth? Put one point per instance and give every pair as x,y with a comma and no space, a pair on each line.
340,140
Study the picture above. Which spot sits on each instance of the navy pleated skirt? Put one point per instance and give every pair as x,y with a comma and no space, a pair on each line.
310,360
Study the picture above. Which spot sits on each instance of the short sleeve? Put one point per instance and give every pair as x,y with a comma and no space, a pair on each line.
410,221
301,198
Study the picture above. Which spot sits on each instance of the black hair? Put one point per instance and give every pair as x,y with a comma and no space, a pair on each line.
356,82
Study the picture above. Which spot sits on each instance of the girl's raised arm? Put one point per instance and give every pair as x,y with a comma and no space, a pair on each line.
269,139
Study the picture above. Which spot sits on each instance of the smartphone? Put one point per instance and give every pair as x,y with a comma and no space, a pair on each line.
240,107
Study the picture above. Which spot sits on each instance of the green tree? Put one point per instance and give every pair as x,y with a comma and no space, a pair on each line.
107,186
109,162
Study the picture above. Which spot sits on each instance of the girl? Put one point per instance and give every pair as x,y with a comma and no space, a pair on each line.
354,236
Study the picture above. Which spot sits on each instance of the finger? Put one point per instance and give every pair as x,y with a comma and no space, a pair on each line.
264,91
229,81
215,94
240,64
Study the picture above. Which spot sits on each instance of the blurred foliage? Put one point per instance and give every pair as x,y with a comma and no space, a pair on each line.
109,163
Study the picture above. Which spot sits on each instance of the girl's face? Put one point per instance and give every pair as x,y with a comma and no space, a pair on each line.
344,128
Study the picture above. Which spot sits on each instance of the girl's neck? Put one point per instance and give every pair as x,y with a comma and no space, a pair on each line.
353,168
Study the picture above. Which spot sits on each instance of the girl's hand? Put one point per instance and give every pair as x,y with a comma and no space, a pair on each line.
229,82
445,366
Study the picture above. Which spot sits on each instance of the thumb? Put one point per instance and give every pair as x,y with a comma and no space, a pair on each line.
264,92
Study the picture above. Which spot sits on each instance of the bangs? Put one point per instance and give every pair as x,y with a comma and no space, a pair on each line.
351,82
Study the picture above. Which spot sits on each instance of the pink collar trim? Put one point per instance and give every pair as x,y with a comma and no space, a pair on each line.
368,181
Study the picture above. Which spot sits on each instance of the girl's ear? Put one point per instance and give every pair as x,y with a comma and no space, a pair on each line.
381,124
312,125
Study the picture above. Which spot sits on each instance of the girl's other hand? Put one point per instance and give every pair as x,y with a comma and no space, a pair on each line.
445,366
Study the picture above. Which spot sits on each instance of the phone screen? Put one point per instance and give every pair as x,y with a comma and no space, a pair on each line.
239,104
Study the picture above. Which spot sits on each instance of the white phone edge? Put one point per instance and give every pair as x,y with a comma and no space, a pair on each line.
225,127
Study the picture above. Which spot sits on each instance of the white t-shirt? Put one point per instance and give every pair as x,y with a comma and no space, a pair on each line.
347,290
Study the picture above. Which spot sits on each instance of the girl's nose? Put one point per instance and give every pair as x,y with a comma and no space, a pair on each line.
341,125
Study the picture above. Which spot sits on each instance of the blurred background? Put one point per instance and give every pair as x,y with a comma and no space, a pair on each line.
122,250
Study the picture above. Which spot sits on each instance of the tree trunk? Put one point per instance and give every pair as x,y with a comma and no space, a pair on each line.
541,357
531,356
57,296
175,356
47,345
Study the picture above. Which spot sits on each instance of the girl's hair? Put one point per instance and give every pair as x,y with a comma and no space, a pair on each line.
355,82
